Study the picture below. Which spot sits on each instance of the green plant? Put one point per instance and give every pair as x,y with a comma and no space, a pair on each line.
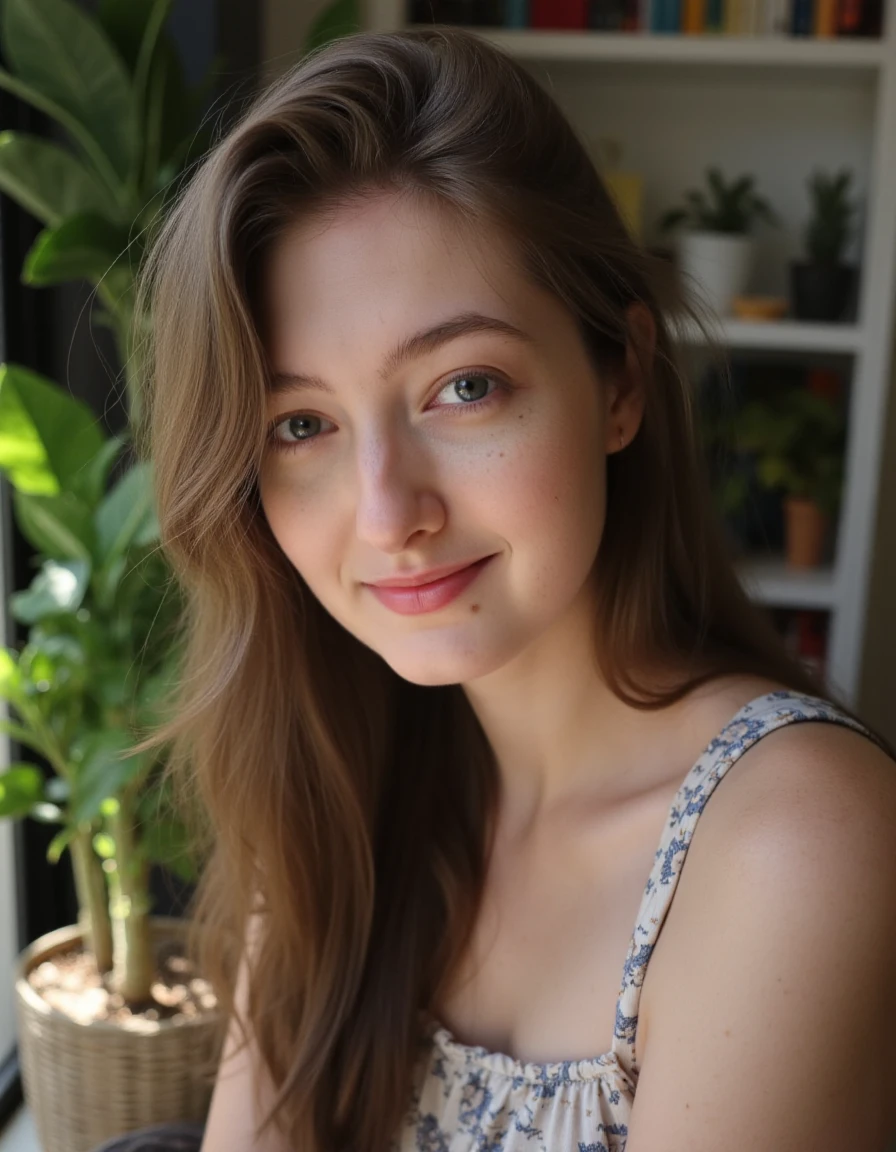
103,609
114,83
829,229
729,483
728,208
101,652
799,440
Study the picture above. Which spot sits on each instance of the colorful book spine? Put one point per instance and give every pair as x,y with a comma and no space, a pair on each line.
849,17
516,13
752,17
611,15
824,22
693,16
666,16
559,14
715,15
821,19
777,18
631,21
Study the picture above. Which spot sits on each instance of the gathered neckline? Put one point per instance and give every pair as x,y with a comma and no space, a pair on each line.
531,1071
607,1064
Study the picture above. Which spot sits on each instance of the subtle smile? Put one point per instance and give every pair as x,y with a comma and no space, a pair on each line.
414,599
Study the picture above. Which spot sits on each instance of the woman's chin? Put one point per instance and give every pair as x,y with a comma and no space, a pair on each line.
432,666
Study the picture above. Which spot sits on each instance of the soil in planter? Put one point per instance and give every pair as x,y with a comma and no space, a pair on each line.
70,982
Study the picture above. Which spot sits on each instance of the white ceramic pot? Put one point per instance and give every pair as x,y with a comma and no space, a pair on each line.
715,267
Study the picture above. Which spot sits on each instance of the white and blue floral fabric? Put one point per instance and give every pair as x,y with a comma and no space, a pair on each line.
468,1099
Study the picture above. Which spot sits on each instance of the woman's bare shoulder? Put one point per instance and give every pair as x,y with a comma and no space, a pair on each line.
807,783
786,905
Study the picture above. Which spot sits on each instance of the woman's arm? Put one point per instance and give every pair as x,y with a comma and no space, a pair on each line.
773,1024
232,1114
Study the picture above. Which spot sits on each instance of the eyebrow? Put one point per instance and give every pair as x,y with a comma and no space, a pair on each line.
420,344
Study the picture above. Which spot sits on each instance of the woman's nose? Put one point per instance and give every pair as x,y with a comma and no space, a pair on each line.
396,493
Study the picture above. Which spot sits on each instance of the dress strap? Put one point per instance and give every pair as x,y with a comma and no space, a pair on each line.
756,719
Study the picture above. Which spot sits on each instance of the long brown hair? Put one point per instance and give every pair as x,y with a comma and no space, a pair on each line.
354,806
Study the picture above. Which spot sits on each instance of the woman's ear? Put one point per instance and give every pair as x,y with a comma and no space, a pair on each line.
627,396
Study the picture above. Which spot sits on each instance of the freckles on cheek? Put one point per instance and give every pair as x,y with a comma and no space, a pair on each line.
289,512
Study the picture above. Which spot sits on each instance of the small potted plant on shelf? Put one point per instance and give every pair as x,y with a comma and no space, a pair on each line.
823,287
715,253
798,439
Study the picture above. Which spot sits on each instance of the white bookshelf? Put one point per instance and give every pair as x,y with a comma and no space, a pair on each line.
713,50
779,108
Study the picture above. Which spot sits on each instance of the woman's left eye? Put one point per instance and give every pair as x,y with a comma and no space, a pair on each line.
469,389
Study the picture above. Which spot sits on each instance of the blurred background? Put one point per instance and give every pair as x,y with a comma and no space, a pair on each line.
751,146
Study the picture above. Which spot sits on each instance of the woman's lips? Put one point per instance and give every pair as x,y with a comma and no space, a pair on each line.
429,597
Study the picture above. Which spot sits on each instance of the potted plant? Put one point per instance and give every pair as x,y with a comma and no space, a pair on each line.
715,253
112,1019
823,286
798,439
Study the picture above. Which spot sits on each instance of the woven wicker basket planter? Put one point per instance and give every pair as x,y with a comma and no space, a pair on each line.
85,1083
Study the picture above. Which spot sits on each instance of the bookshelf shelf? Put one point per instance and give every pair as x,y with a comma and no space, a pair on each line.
780,336
771,582
716,50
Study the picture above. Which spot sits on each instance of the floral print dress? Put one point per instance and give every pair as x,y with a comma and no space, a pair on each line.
468,1099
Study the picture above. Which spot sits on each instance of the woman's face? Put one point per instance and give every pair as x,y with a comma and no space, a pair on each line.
409,452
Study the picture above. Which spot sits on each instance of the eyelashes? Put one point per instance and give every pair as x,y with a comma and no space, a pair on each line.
306,442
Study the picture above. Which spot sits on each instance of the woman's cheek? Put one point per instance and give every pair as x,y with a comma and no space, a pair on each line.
294,506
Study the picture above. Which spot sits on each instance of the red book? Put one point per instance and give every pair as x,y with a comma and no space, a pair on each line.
558,14
850,13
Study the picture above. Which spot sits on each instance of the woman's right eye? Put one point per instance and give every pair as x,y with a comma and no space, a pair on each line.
301,429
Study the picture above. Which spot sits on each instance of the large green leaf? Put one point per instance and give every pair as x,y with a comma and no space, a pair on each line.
95,474
49,181
99,774
10,676
60,527
23,735
64,53
55,590
21,787
126,516
150,76
112,683
81,135
83,247
47,437
167,113
124,22
166,842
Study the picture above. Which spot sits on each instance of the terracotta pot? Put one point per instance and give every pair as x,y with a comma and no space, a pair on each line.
806,530
85,1083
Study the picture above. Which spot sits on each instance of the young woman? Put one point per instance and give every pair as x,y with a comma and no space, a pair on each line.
466,660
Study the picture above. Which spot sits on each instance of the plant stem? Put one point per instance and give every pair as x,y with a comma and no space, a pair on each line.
128,878
93,905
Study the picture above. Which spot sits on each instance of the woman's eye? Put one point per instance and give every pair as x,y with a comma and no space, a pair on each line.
296,430
469,388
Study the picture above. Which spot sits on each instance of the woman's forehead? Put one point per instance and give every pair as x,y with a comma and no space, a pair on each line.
358,274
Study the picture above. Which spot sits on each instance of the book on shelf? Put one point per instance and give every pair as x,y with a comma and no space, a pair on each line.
803,18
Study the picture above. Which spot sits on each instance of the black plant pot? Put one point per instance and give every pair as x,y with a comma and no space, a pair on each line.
823,291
